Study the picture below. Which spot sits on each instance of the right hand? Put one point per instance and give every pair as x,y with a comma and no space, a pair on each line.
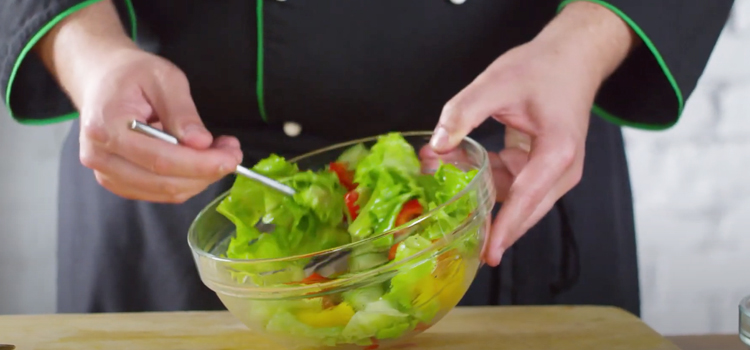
133,84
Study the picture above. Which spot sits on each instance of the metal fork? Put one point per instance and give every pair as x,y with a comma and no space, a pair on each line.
156,133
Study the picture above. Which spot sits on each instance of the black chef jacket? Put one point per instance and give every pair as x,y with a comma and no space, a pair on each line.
344,69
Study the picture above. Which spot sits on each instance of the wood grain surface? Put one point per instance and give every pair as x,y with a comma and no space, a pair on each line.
709,342
480,328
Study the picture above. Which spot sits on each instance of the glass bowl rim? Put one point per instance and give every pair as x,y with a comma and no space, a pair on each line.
484,164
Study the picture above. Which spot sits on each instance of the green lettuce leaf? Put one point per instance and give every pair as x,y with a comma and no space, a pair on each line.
408,292
276,167
390,153
379,319
321,192
365,260
386,179
361,297
447,182
385,202
284,323
262,311
353,155
309,221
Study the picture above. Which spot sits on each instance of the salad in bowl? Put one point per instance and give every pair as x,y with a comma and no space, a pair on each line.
376,245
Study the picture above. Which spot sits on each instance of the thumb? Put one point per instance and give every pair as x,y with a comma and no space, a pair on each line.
176,111
464,112
515,138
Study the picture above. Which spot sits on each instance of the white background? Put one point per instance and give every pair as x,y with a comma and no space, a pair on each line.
691,189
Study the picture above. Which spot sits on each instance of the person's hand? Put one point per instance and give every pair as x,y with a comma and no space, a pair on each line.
138,85
543,92
112,82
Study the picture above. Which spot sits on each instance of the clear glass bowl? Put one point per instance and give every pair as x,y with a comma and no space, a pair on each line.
744,309
271,301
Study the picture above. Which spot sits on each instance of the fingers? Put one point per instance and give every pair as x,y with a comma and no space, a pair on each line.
517,139
150,89
129,181
169,94
554,166
160,157
467,110
231,144
431,160
514,159
505,168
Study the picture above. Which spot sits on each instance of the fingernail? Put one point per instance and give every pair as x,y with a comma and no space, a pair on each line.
440,138
192,129
238,155
225,168
236,152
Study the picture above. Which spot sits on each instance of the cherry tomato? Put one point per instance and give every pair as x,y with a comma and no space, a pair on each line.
346,177
392,252
410,211
351,203
374,345
314,278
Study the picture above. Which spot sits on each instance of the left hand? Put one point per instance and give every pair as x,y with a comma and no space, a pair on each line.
543,92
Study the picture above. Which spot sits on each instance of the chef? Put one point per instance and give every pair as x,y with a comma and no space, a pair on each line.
545,85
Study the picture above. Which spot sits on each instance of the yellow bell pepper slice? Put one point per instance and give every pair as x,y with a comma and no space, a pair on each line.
338,315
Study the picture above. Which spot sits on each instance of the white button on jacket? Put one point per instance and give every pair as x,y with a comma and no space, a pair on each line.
292,129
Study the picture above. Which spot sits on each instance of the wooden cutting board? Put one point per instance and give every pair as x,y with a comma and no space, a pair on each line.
480,328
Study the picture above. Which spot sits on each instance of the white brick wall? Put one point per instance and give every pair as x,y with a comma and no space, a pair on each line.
691,187
692,197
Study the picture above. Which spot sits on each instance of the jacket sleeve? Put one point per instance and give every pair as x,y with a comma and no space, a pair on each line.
30,93
648,91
